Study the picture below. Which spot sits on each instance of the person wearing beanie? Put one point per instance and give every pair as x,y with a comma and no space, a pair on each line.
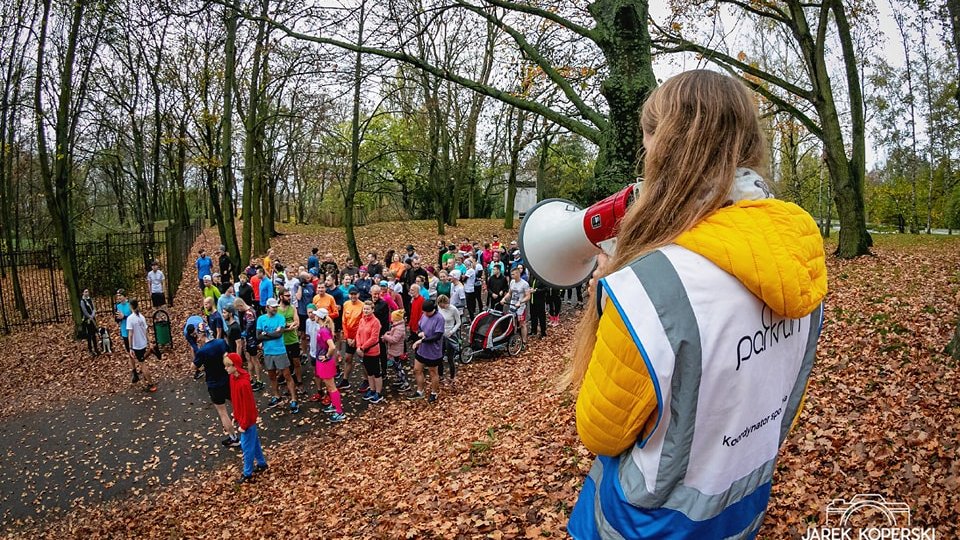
429,350
394,338
245,413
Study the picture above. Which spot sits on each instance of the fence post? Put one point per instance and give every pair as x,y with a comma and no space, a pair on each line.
53,282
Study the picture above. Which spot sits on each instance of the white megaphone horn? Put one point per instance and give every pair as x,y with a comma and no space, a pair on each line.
560,241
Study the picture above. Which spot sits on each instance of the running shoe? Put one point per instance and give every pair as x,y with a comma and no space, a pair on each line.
329,409
259,468
325,400
369,394
198,374
135,378
337,418
404,387
244,479
416,395
377,398
343,384
274,401
364,387
294,407
316,397
258,386
231,442
432,398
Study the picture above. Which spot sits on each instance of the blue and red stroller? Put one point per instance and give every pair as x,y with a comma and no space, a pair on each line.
492,331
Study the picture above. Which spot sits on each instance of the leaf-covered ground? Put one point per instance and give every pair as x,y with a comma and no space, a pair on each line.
499,457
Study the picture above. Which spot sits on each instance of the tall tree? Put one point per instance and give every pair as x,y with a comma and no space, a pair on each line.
227,214
808,23
57,170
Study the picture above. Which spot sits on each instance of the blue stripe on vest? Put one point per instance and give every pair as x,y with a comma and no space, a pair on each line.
663,523
583,519
646,360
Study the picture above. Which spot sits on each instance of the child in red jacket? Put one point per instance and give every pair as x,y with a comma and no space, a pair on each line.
245,413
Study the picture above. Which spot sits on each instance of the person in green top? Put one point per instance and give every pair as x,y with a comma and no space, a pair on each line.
444,285
290,339
450,254
209,291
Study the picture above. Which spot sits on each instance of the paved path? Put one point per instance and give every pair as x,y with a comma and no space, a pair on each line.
124,444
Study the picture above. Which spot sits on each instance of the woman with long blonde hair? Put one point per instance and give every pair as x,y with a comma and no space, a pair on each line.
693,357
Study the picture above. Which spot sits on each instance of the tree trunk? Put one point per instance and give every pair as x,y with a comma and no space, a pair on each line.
350,194
622,34
229,229
57,175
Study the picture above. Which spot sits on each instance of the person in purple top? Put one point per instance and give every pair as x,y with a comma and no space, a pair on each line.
429,350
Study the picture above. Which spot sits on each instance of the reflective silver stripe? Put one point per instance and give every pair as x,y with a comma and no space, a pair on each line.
751,530
808,358
604,528
668,296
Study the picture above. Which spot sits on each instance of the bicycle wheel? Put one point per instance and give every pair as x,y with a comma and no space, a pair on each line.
514,345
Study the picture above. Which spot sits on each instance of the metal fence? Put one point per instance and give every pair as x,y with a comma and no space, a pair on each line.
32,290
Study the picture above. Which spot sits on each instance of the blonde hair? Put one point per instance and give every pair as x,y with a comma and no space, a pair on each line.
443,299
327,323
698,128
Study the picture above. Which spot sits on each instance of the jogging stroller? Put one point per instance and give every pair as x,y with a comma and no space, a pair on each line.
492,331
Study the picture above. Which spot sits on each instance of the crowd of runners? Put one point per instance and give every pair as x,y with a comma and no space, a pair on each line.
304,330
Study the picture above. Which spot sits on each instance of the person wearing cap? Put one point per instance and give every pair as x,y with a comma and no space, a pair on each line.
458,297
309,337
363,283
352,312
429,351
411,253
291,341
209,290
270,327
156,281
204,266
209,355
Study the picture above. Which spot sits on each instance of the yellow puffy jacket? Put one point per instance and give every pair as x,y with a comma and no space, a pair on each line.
772,247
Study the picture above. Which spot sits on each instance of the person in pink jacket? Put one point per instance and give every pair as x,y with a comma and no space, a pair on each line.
368,346
394,339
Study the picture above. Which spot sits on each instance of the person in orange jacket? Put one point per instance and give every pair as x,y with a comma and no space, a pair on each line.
352,313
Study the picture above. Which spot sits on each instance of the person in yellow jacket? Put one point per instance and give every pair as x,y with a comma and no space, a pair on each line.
693,360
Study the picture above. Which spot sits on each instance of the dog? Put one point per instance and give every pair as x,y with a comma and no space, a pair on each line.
105,340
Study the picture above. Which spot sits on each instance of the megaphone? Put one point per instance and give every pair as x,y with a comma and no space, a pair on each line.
560,241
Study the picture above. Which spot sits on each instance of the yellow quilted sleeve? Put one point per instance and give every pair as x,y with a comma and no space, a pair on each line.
617,397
